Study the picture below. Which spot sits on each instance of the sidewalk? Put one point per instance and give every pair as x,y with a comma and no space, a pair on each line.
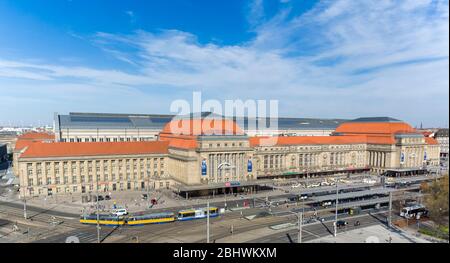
248,236
413,232
371,234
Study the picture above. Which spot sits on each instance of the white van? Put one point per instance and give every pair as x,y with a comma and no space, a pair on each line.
313,185
369,181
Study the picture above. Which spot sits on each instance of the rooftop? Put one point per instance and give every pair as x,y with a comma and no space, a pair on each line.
78,149
36,136
158,121
202,126
431,141
378,126
442,133
375,119
307,140
29,138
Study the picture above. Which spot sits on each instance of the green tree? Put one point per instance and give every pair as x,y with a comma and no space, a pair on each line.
436,200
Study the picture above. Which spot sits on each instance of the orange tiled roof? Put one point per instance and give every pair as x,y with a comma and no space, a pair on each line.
36,136
374,128
26,139
202,127
21,144
431,141
72,149
179,141
380,140
310,140
427,133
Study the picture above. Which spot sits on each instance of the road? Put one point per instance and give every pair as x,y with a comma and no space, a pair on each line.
190,231
317,230
195,231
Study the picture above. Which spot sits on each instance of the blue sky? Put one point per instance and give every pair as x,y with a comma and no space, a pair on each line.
328,59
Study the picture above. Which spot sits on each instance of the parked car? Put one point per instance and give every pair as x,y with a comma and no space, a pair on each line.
324,183
369,181
107,197
303,197
341,223
120,212
326,203
313,185
100,198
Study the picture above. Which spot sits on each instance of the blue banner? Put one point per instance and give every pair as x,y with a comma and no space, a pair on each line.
204,167
249,165
402,158
425,156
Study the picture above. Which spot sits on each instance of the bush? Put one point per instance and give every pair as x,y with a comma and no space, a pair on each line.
439,232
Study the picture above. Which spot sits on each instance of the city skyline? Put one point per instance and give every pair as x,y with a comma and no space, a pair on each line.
329,59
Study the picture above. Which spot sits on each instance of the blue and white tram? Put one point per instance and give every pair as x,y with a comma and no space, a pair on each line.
199,213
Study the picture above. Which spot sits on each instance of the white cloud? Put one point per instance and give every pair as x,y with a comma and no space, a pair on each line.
129,13
256,12
340,59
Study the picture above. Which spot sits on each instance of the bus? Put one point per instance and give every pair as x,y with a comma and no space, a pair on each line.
199,213
414,211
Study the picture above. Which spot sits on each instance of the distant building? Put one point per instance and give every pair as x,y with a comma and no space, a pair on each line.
3,157
23,141
196,155
8,138
442,137
101,127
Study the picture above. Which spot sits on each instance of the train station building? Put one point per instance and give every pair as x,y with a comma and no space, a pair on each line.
199,155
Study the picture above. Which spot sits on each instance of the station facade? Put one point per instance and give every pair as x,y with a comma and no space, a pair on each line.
204,154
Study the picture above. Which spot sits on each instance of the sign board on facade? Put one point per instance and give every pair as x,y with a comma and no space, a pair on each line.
204,167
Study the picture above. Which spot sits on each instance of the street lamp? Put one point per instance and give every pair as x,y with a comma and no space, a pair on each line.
98,215
207,222
148,189
26,189
25,204
336,211
299,216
